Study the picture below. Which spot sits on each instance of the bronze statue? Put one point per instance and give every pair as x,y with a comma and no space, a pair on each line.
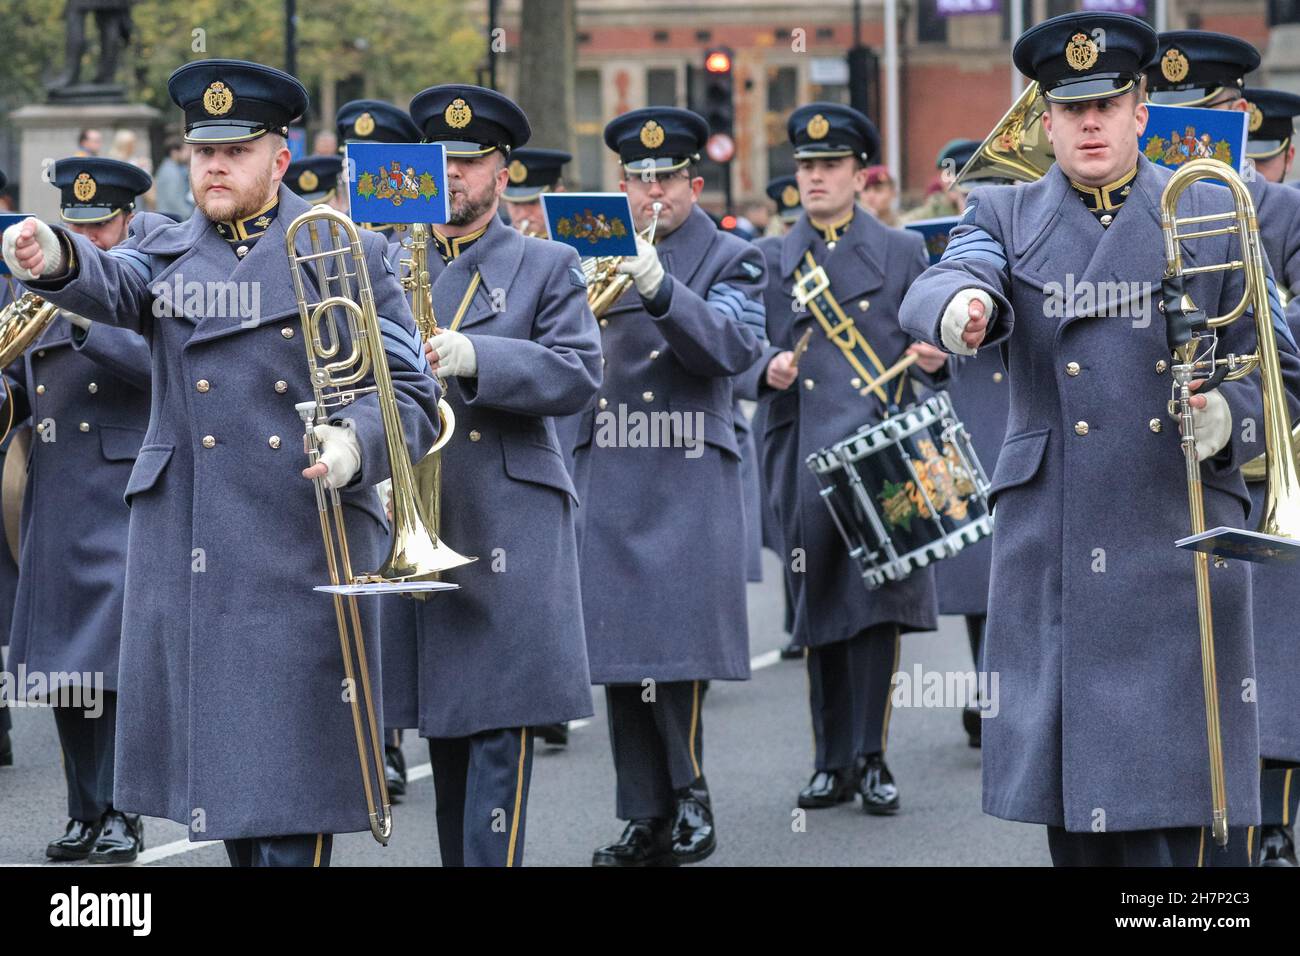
113,19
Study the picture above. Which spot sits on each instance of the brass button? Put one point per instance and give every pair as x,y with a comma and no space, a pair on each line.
84,426
1154,425
475,435
281,387
41,354
40,389
809,384
855,382
997,376
1161,366
274,441
603,402
863,305
202,385
1107,219
209,441
604,323
40,428
1071,368
92,388
654,354
287,332
1081,428
241,251
648,396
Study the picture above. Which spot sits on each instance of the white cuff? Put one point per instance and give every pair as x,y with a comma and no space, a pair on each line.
49,244
341,452
957,315
1212,426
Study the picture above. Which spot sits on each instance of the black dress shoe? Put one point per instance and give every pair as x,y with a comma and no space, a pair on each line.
76,843
879,794
1276,846
6,750
694,837
970,719
791,652
643,843
120,840
395,773
826,789
556,735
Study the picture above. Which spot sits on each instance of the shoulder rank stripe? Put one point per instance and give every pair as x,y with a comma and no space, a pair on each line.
740,307
975,243
403,344
138,261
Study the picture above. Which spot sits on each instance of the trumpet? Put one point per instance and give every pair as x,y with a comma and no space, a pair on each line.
22,322
1192,340
605,284
347,302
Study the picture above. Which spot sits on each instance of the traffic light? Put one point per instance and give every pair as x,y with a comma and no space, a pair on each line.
717,99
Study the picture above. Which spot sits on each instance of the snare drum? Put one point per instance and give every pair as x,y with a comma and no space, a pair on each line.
905,492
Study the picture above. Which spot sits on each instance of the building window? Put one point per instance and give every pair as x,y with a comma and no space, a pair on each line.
703,36
589,127
661,36
930,27
583,38
660,87
782,98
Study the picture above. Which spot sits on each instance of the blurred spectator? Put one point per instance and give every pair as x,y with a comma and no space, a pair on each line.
90,142
172,183
758,214
124,149
878,196
326,143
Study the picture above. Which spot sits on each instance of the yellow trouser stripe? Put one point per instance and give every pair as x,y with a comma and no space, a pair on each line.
695,724
1286,798
1200,852
519,794
320,841
889,696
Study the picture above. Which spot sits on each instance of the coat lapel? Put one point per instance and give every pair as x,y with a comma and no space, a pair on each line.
495,257
682,251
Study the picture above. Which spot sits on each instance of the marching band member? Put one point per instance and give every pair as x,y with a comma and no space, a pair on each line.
852,635
316,180
226,651
8,569
518,346
85,386
1086,600
663,584
532,171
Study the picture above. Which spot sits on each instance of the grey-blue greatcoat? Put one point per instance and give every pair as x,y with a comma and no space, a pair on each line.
1276,587
1092,623
8,566
232,710
869,269
978,389
662,534
508,649
87,394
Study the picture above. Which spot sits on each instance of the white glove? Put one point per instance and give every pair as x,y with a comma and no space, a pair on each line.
48,242
455,354
1212,425
957,315
645,269
340,451
385,491
80,321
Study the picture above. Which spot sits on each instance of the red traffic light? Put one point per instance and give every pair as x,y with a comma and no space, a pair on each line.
718,61
728,222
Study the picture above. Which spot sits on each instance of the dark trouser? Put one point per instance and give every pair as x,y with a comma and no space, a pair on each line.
87,744
658,744
481,785
1279,792
849,694
975,634
308,849
1180,846
392,737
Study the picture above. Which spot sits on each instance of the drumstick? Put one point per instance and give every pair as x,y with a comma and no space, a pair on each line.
895,370
799,348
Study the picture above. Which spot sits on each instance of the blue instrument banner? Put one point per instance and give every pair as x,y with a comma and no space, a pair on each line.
596,224
935,233
397,182
1177,134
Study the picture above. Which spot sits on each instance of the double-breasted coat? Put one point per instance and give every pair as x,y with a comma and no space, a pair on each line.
87,394
1276,587
1092,627
869,269
233,716
661,528
507,649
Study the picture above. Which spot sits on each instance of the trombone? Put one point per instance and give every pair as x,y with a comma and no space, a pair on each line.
1192,340
605,284
347,302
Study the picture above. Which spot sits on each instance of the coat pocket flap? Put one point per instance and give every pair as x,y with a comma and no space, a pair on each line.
540,464
149,464
690,423
119,443
1019,460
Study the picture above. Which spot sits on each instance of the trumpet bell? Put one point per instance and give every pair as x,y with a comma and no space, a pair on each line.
1017,149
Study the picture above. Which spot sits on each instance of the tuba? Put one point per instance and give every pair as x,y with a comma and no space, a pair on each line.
1192,340
347,299
605,284
1017,149
22,322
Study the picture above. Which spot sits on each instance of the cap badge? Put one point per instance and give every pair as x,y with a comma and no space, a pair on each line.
365,125
84,187
218,99
652,135
518,171
308,181
458,114
790,196
1081,53
1256,118
819,126
1173,65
